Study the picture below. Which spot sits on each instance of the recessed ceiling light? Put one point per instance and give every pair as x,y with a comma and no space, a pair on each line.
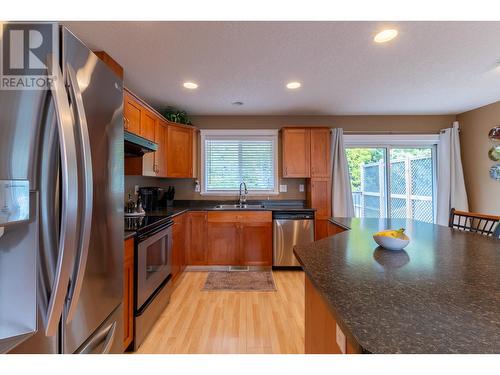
385,35
190,85
293,85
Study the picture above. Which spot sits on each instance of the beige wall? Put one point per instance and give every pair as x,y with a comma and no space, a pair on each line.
353,123
483,192
185,187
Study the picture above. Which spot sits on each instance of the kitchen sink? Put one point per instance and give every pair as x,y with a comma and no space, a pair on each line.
239,207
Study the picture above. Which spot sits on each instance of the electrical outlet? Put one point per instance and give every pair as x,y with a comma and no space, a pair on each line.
197,188
341,342
301,188
283,188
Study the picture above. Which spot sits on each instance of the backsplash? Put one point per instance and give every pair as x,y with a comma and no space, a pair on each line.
184,188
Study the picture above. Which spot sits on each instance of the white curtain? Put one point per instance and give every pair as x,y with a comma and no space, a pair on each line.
450,177
342,205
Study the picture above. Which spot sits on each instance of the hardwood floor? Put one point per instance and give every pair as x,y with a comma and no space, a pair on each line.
199,321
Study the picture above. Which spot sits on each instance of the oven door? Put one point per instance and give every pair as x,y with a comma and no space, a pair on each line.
154,262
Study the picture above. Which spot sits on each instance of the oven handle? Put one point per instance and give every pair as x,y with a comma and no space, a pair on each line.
146,236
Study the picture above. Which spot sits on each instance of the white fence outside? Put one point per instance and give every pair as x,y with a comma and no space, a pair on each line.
411,190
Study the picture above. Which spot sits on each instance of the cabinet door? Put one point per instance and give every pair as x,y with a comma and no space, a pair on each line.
197,237
223,247
160,156
178,239
128,293
183,223
320,153
256,244
319,197
296,152
148,124
179,152
320,229
132,114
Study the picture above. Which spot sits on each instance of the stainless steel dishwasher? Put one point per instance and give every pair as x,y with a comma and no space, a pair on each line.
290,228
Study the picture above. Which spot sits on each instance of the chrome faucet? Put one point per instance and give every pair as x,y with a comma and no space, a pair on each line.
243,198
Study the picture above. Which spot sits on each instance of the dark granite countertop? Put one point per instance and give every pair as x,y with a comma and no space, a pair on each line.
441,294
181,207
269,205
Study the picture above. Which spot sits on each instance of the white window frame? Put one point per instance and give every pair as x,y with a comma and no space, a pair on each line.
391,141
250,134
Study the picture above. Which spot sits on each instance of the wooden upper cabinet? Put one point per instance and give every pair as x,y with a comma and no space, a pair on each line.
110,62
296,149
148,124
131,114
161,136
197,238
320,153
179,151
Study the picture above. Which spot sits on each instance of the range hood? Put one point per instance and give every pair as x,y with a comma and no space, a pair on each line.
137,146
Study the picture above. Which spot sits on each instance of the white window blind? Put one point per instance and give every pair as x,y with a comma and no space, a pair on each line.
232,157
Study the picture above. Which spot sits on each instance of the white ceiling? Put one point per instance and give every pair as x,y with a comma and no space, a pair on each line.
430,68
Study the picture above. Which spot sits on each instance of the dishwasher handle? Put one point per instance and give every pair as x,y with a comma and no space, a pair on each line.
293,215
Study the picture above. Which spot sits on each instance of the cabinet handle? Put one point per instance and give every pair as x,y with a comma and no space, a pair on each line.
286,170
125,122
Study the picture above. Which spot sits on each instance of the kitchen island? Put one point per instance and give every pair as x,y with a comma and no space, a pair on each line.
441,294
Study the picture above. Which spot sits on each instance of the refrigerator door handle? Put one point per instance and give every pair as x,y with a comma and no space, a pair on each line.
107,335
87,198
69,202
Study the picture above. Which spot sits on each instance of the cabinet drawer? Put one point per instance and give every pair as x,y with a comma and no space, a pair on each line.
239,216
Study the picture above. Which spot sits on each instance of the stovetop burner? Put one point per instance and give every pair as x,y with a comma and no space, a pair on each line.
143,224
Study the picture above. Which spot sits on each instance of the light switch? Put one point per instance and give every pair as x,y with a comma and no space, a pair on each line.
341,342
283,188
301,188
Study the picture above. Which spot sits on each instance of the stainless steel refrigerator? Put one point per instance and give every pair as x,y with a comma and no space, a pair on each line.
61,209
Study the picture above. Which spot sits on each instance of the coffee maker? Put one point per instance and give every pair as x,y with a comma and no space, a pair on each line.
151,198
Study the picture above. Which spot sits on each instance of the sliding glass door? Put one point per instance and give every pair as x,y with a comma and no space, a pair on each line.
393,181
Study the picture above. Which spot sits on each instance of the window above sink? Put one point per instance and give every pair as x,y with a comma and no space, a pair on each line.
229,157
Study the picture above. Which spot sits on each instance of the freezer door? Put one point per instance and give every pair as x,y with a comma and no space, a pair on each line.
20,119
56,181
97,104
18,249
106,339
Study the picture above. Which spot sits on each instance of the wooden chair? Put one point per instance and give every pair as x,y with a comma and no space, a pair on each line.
488,225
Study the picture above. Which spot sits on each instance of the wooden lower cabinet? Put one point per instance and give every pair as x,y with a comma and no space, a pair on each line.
320,229
239,238
128,293
197,238
321,326
256,243
179,245
222,243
